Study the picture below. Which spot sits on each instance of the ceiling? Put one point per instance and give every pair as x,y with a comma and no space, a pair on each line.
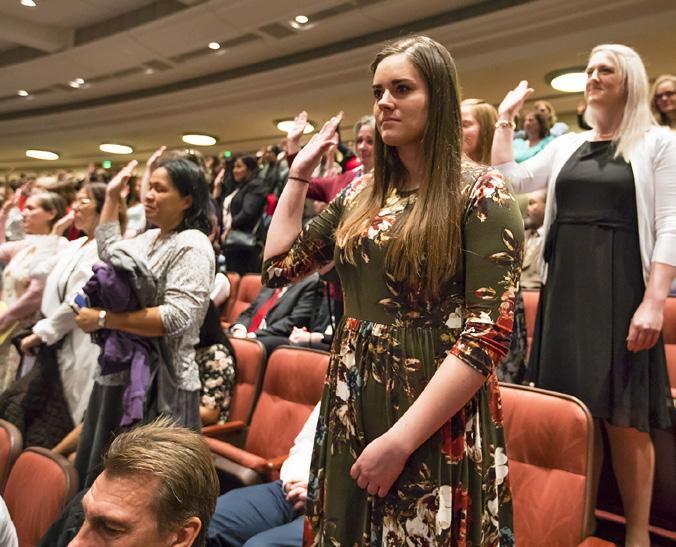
150,76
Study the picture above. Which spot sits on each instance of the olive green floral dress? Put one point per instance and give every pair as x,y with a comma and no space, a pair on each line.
454,489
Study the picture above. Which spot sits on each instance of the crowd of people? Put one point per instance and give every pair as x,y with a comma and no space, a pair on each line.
401,249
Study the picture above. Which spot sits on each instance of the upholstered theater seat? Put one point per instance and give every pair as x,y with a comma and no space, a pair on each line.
11,444
249,287
234,279
39,486
293,384
530,304
550,449
251,356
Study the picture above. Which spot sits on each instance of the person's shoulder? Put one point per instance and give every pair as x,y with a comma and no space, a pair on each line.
355,187
483,182
195,239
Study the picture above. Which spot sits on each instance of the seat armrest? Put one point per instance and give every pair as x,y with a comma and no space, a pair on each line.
221,430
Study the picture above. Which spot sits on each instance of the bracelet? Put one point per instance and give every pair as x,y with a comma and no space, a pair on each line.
306,181
102,319
505,123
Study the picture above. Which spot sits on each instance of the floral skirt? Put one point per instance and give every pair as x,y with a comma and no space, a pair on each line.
454,489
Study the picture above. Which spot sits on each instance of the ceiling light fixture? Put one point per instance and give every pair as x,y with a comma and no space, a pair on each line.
568,80
214,45
22,93
285,125
28,3
199,139
301,19
42,155
112,148
76,83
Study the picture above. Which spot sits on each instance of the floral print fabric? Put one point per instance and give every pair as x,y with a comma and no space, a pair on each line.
217,374
454,489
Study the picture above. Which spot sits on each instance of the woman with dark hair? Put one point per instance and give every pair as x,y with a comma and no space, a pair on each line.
243,209
180,257
536,136
409,447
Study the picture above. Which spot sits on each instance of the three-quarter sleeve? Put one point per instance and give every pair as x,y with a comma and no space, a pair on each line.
492,248
665,201
106,235
188,283
314,245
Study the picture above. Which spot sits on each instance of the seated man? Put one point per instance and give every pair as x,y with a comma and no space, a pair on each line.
158,487
271,513
530,273
273,314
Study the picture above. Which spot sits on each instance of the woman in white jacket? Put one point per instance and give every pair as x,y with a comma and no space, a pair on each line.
609,260
77,355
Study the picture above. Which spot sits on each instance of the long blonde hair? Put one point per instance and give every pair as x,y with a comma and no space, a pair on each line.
424,249
636,118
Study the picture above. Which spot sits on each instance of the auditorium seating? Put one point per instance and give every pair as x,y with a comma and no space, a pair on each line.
251,356
39,486
249,287
669,335
293,384
530,304
234,279
11,444
549,439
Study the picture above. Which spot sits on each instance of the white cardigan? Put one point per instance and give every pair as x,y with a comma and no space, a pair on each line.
653,162
78,355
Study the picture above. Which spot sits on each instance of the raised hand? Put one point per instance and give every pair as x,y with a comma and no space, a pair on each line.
309,157
513,101
119,181
154,160
65,222
294,135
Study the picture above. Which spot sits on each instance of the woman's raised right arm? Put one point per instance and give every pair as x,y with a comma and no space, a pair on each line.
286,221
503,150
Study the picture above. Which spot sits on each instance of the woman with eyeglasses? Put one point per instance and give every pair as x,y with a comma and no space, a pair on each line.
77,355
663,101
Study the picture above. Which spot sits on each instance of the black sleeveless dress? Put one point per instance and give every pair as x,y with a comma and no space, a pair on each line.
594,286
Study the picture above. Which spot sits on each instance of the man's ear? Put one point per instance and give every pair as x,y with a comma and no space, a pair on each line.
186,535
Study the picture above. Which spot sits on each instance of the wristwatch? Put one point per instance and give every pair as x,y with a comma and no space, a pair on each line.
102,318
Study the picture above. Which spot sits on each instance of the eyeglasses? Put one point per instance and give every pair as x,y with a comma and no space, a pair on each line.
665,95
82,202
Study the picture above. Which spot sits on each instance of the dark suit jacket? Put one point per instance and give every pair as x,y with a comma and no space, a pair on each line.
294,308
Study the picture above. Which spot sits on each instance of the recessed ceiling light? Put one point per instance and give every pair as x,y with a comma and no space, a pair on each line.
111,148
285,126
42,155
76,82
301,19
149,71
22,93
198,139
214,45
28,3
568,80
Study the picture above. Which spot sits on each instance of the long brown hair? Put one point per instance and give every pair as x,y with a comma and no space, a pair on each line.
486,115
425,242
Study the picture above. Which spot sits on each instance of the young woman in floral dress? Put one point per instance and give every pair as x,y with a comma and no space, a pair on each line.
409,446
